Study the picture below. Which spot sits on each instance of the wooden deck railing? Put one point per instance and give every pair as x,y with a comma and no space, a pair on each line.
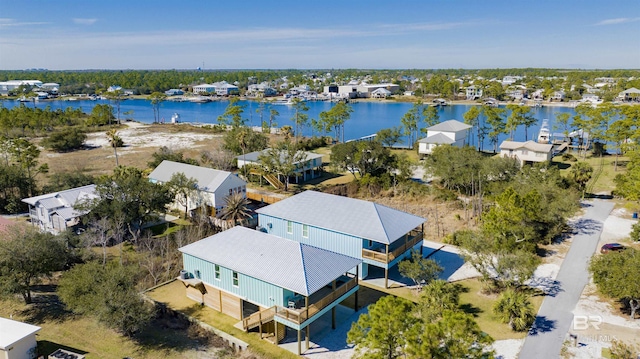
301,315
259,318
414,237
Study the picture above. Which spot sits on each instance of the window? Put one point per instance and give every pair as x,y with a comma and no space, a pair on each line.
525,152
217,271
235,279
370,243
289,227
305,231
230,191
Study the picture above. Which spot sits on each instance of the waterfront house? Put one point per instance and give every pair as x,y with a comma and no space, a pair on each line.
378,235
526,152
558,96
630,95
223,88
308,167
204,89
267,282
174,92
213,186
473,92
380,93
451,132
57,211
17,339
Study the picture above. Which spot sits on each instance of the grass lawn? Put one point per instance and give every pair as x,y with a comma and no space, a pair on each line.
602,180
85,335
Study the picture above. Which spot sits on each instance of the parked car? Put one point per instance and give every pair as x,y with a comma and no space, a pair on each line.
612,247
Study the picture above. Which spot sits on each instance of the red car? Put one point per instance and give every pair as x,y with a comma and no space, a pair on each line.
612,247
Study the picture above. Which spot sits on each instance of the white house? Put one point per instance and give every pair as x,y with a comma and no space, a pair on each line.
55,212
558,96
6,86
473,92
17,340
204,88
526,152
380,93
450,132
223,88
213,186
632,94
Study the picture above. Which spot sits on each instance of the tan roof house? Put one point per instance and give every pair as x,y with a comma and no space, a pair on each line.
526,152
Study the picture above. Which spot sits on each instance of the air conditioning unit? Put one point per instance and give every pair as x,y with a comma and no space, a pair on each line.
65,354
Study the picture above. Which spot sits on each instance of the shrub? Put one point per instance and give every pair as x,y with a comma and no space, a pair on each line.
66,140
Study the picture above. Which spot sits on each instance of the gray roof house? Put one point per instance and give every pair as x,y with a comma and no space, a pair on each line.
213,185
308,168
55,212
379,235
449,132
259,279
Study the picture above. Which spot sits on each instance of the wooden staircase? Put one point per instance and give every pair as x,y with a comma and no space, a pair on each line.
259,318
273,180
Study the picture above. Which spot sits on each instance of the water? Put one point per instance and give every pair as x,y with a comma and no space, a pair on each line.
368,117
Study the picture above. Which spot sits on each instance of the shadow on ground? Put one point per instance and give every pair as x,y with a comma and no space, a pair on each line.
542,325
46,347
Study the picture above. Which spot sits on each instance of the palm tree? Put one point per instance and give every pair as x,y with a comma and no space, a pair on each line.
237,208
513,307
115,141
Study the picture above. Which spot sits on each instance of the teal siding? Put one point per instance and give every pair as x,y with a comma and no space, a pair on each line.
251,289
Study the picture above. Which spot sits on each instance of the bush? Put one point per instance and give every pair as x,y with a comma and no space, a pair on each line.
569,157
66,140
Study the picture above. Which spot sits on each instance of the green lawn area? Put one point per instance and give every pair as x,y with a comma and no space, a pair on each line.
604,170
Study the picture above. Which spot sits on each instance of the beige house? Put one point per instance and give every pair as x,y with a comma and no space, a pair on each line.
452,132
17,340
526,152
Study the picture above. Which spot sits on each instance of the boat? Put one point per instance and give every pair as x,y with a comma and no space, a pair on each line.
199,99
544,136
175,118
440,102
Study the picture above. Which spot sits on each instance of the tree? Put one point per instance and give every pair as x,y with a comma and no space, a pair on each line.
115,141
471,118
232,115
389,136
236,208
619,133
273,114
436,297
66,140
300,117
242,139
157,98
420,270
430,117
108,293
365,157
26,154
455,335
165,153
410,121
581,173
334,119
520,115
283,159
60,181
26,255
116,97
456,168
627,183
622,350
381,333
496,123
514,308
562,122
101,115
615,275
183,189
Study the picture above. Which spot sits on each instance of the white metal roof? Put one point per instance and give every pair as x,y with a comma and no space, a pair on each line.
208,179
288,264
438,138
529,145
63,198
253,156
12,331
449,126
363,219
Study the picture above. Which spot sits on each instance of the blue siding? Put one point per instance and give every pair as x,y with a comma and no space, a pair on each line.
251,289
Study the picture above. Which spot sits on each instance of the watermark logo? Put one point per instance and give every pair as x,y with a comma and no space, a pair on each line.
583,322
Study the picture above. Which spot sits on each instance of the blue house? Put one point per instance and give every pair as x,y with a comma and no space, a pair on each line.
267,282
378,235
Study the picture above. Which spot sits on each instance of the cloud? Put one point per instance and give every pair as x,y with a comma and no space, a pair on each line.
81,21
620,20
6,22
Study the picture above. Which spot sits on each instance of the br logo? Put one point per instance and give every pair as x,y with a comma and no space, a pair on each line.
582,322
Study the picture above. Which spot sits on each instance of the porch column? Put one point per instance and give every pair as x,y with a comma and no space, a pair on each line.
356,293
275,324
260,324
386,270
333,309
306,305
299,347
308,336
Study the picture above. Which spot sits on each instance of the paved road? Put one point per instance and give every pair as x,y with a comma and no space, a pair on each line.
554,318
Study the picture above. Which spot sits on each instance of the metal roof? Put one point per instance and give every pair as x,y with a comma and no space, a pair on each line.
208,179
363,219
438,138
288,264
63,198
253,156
449,126
12,331
529,145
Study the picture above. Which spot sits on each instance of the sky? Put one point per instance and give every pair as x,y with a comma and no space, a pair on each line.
310,34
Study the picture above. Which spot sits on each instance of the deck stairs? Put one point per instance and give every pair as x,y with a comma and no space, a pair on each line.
258,318
273,180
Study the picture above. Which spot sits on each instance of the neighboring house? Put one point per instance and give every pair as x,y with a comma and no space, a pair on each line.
264,280
473,92
263,88
213,186
558,96
591,98
538,94
354,89
452,132
378,235
17,340
380,93
114,88
223,88
526,152
204,89
632,94
174,92
309,168
7,86
55,212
